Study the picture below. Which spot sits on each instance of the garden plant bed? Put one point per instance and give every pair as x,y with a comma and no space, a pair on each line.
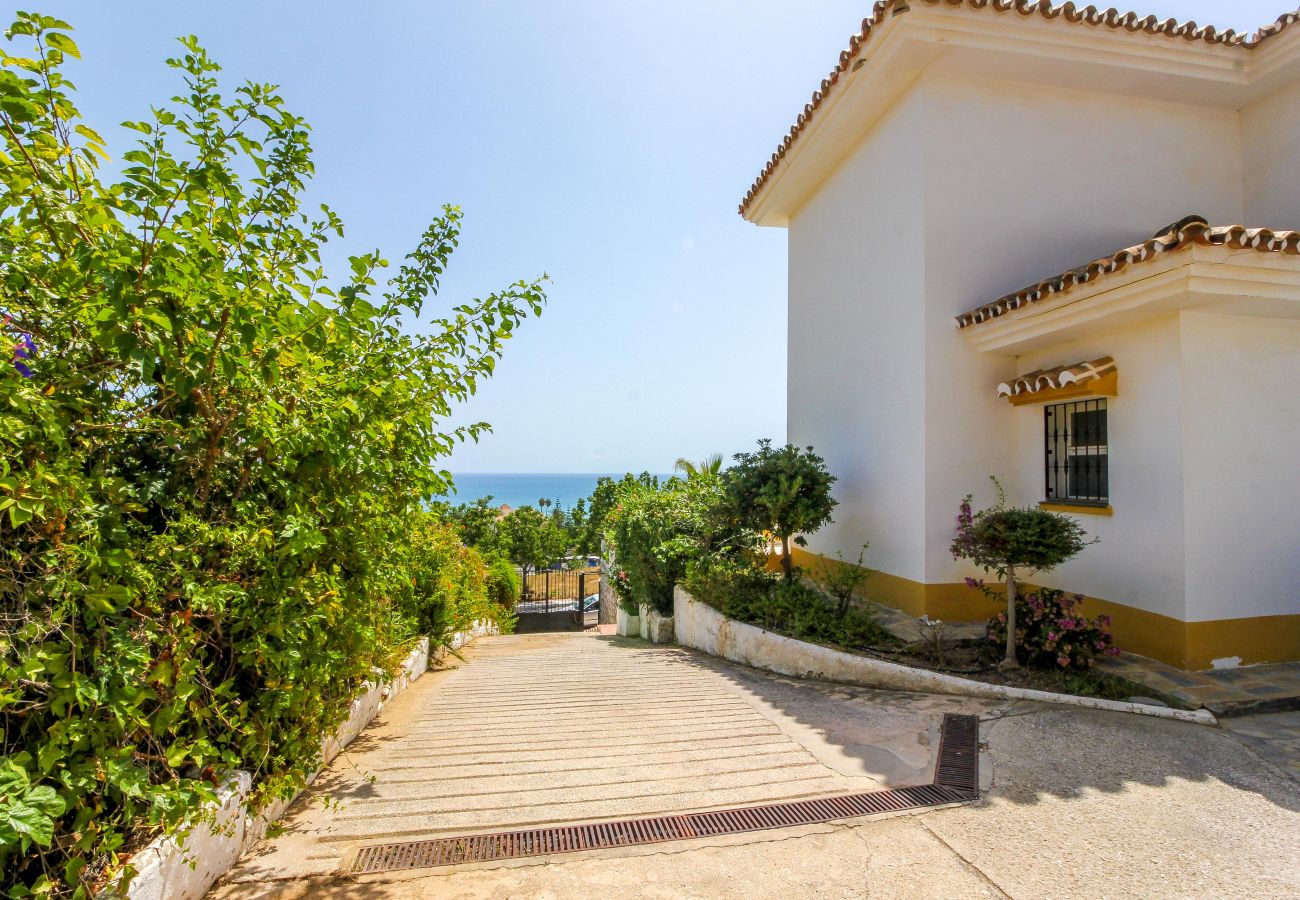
977,660
702,626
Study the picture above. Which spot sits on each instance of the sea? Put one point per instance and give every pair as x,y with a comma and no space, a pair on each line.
525,488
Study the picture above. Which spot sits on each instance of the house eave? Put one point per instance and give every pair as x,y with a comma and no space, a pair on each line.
1209,279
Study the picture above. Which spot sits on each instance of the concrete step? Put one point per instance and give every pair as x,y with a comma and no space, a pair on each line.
423,796
685,749
418,825
525,776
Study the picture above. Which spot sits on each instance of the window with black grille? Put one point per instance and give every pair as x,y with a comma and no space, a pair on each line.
1074,439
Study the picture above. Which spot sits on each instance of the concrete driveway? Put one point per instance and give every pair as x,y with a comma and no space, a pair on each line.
562,728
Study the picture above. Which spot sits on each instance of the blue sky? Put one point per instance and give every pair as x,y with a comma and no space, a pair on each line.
605,143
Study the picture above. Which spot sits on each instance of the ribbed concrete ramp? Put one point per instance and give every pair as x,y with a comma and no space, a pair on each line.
547,729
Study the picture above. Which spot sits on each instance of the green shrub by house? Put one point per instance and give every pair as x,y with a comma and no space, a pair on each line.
213,464
655,530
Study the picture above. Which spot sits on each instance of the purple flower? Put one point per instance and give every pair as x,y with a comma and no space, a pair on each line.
1067,624
24,349
1053,636
1112,651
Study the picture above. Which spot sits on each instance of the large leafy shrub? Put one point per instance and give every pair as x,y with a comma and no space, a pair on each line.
655,531
752,594
451,584
503,582
1010,541
210,460
1052,632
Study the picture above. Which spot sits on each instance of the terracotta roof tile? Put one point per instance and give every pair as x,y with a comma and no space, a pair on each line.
1180,235
1047,379
1068,12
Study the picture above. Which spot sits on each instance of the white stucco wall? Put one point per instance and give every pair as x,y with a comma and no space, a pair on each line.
1023,182
968,189
1241,429
856,341
1139,560
1271,141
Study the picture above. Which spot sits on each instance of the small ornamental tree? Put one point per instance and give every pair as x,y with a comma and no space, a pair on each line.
523,534
1015,541
784,491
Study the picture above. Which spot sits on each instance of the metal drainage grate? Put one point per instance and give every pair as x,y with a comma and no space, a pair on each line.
956,780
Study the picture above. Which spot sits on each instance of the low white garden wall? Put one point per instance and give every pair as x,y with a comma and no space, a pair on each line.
702,627
656,628
184,869
649,626
626,625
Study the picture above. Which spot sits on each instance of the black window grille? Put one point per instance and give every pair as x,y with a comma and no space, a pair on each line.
1075,445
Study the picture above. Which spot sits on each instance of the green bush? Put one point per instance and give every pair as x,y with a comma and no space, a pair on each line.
655,530
213,464
503,583
451,585
790,607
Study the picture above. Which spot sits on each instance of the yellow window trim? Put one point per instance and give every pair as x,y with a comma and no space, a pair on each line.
1105,386
1082,508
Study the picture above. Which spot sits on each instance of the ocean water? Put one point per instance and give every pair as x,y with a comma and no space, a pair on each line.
524,489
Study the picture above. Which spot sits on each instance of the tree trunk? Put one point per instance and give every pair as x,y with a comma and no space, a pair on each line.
1011,662
787,564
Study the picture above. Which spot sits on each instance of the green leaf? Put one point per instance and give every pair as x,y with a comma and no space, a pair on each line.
64,43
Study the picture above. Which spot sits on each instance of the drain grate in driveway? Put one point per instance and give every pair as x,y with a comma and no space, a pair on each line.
956,780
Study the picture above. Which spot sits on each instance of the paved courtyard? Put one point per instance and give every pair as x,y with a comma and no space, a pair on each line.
561,728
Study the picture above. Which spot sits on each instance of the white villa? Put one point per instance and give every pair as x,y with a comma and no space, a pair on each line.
944,192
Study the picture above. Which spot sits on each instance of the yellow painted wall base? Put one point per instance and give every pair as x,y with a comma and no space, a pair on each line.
1188,645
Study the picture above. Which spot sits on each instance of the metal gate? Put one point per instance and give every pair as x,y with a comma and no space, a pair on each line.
558,600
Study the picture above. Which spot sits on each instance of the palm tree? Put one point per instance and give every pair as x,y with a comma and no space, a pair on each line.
710,465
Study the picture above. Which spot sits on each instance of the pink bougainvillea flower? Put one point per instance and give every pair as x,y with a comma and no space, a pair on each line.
1063,661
